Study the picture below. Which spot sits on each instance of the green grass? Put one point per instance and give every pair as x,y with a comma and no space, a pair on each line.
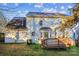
35,50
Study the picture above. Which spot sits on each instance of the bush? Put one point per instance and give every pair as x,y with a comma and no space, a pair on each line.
36,46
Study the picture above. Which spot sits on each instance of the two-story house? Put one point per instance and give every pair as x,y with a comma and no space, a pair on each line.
42,25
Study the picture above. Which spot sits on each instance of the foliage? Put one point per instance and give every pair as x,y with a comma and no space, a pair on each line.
36,46
71,20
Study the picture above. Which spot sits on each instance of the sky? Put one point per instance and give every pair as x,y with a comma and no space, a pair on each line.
11,10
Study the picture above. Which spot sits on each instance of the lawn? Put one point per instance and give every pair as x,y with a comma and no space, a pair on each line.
34,50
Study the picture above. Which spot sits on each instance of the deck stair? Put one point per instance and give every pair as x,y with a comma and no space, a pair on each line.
61,42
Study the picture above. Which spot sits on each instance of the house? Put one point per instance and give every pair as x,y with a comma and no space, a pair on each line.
35,26
42,25
16,30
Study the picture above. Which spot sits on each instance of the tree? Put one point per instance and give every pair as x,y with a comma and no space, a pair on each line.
71,20
3,21
76,12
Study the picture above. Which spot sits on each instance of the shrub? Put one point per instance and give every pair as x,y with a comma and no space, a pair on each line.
36,46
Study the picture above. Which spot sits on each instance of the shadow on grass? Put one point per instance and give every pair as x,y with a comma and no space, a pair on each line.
57,49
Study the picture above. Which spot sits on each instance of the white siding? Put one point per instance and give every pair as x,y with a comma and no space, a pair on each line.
12,37
47,22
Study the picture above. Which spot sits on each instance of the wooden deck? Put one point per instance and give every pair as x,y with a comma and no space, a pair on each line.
57,43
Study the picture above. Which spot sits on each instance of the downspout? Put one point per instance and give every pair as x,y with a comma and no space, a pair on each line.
33,24
17,36
33,32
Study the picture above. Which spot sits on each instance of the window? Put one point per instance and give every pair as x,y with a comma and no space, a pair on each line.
41,34
40,22
33,33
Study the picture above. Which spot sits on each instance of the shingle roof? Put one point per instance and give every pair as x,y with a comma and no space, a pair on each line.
17,22
45,28
41,14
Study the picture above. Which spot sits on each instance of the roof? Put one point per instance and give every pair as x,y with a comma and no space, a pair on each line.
45,28
42,14
17,22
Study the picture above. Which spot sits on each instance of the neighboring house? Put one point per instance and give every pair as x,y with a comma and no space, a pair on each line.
16,30
42,25
75,35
